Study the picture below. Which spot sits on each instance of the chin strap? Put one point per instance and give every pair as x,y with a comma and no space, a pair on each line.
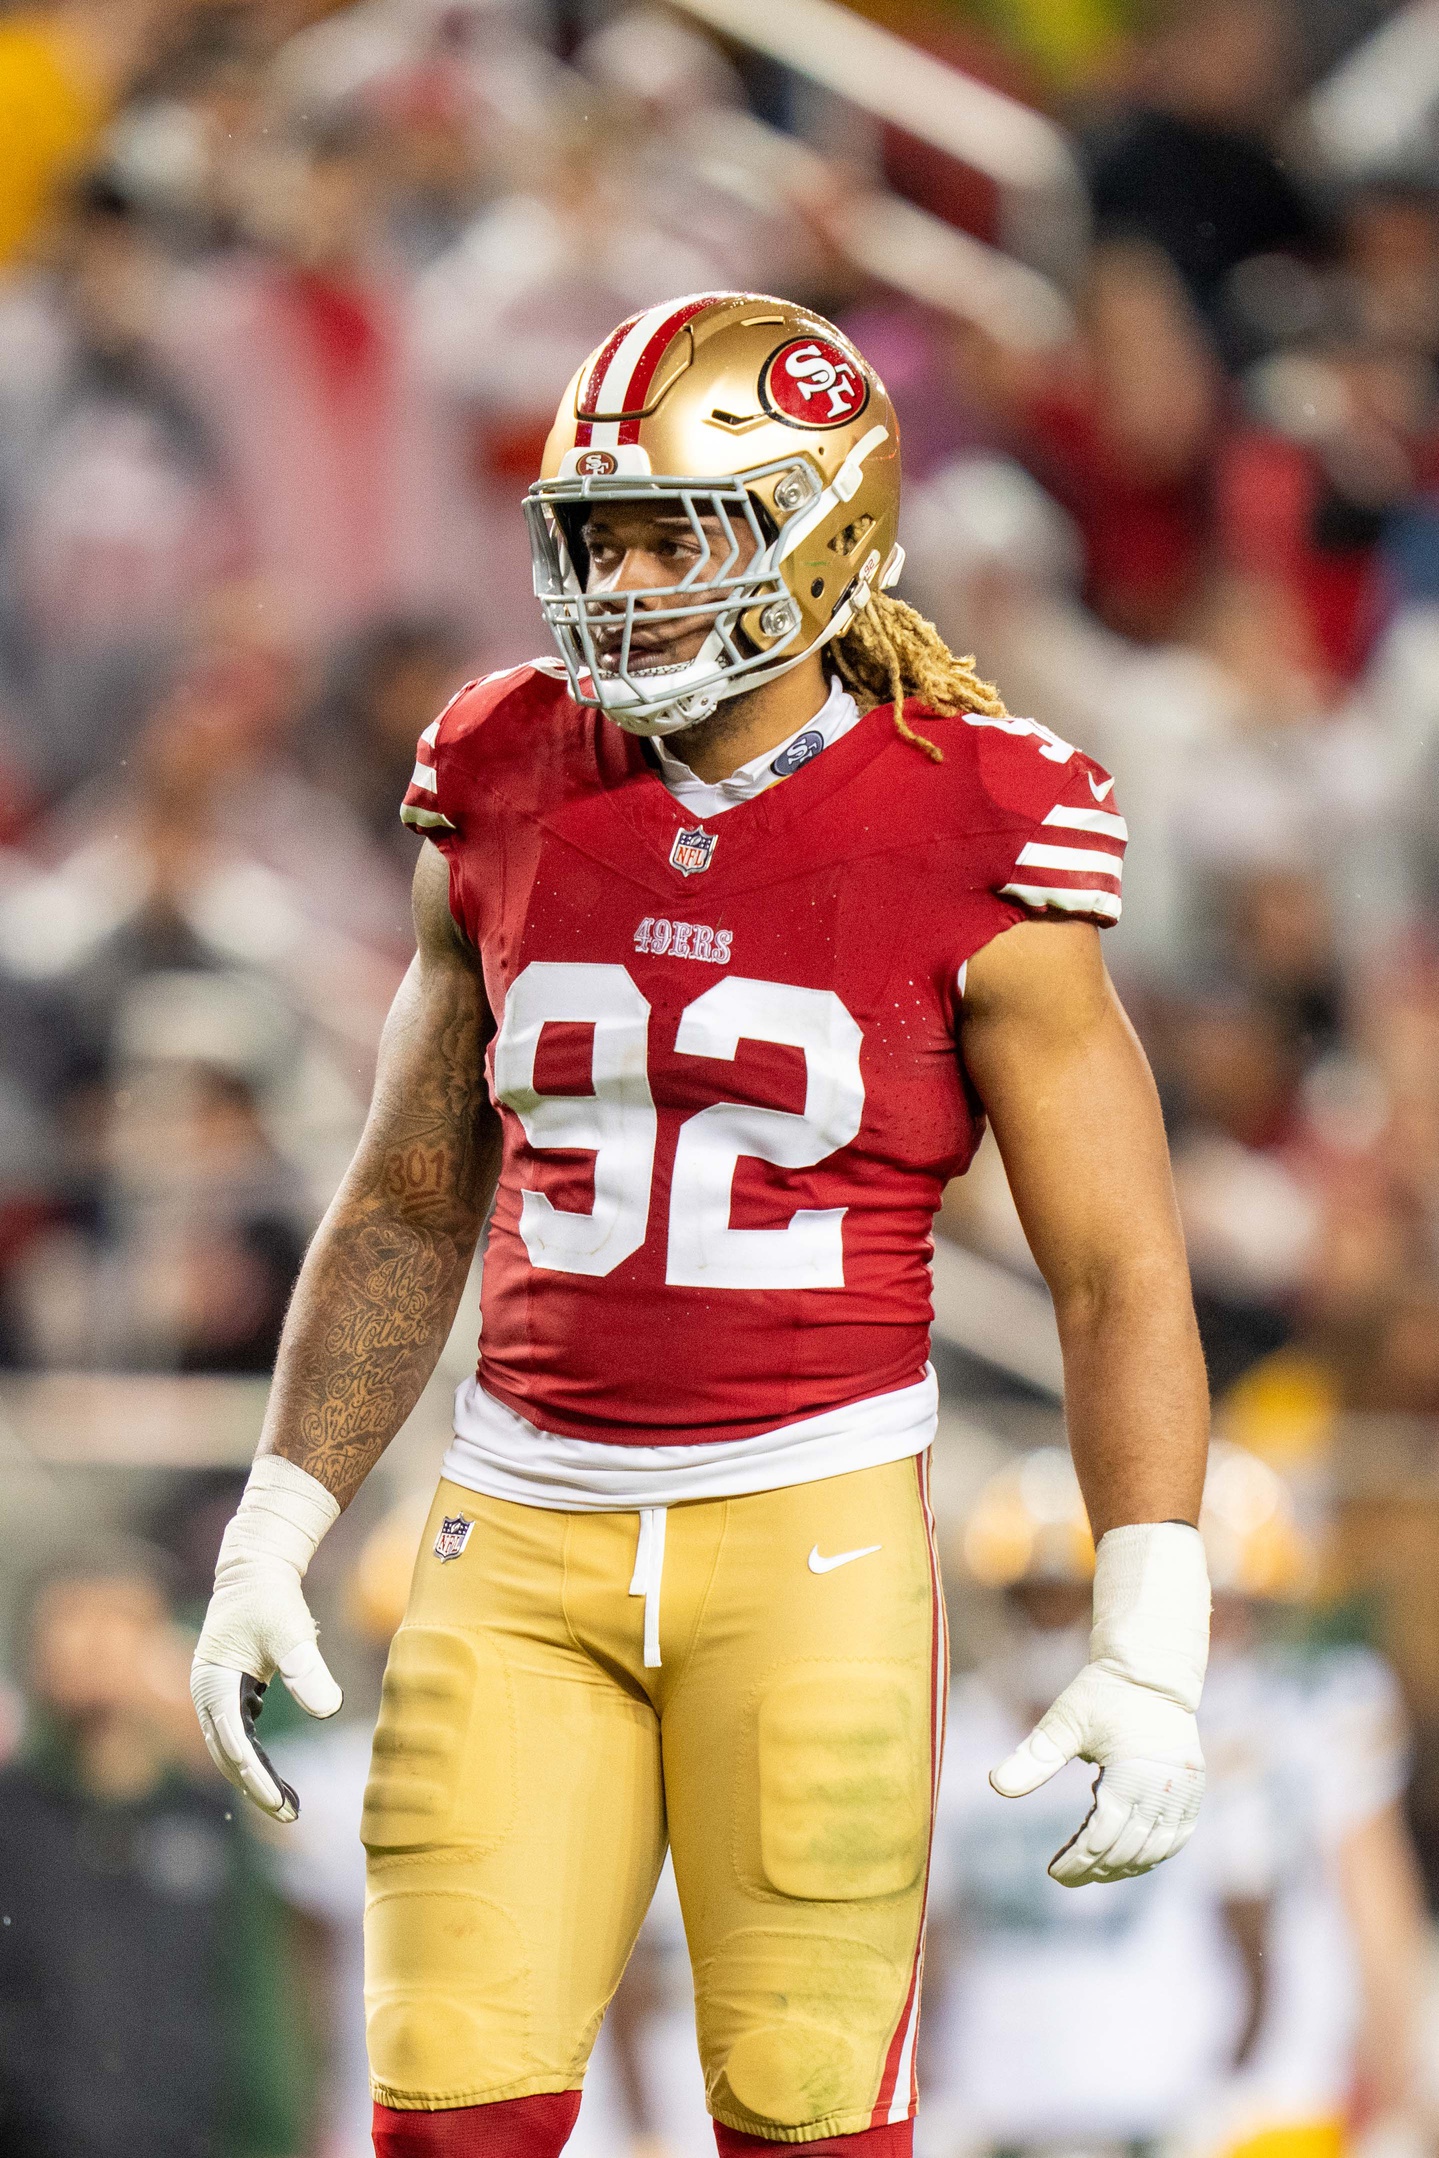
668,715
664,719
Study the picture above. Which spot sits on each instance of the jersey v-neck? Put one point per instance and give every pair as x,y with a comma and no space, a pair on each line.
744,832
703,799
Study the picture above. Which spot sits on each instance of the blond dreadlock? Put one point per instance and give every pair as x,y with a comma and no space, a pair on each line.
890,651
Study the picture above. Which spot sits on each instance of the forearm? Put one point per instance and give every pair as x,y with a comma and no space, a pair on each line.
1136,1397
371,1312
1384,1901
1076,1116
378,1292
1247,1921
375,1299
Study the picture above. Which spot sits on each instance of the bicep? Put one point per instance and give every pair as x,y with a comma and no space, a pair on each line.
1068,1090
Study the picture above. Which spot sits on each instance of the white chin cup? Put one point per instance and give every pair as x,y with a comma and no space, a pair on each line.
664,718
664,702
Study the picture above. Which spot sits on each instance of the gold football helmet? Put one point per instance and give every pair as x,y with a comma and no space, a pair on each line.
767,428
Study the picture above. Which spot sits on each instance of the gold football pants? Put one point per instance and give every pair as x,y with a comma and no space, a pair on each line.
530,1765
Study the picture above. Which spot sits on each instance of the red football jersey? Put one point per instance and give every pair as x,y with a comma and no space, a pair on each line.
727,1062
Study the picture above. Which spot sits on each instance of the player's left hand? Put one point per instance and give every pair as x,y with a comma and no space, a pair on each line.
1131,1709
1150,1782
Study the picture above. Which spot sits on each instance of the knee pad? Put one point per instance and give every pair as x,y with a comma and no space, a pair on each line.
537,2127
892,2139
820,2057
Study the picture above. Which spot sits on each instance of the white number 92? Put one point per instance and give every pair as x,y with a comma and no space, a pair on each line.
618,1124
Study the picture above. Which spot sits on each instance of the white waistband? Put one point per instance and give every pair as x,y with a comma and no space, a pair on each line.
501,1454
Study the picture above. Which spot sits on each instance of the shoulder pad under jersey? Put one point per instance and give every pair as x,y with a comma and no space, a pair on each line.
425,807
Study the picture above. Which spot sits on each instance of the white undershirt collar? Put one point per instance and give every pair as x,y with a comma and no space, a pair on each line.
835,717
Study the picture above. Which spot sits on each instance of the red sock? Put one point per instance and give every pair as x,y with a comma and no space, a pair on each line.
894,2139
537,2127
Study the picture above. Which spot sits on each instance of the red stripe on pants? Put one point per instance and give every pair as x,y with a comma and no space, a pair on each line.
907,2027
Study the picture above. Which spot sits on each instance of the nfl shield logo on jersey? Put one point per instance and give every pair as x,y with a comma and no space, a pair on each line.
693,850
454,1535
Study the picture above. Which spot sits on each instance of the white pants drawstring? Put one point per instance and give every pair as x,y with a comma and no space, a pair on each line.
648,1573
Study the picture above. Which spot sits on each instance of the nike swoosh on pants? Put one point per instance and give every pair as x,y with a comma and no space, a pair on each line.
818,1565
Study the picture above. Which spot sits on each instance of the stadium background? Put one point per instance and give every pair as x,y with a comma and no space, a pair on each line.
287,295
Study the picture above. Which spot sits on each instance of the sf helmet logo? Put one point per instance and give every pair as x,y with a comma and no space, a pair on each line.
595,465
814,382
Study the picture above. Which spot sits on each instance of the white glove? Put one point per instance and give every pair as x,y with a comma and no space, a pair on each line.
259,1623
1131,1709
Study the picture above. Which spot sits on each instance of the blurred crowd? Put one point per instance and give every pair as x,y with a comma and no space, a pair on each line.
288,294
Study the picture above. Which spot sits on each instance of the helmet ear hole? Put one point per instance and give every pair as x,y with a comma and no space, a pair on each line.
848,539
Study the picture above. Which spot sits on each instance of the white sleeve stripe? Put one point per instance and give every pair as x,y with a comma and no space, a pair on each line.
432,731
424,819
425,779
1089,820
1071,901
1085,859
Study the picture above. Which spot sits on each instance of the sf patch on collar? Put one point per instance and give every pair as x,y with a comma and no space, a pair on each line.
693,850
800,751
454,1535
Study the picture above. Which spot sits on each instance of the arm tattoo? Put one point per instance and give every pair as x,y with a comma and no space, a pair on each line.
379,1289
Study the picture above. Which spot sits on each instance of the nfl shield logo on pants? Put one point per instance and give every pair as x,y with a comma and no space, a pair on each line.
693,850
454,1535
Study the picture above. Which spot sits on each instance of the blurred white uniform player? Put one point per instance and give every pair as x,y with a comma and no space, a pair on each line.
1220,2002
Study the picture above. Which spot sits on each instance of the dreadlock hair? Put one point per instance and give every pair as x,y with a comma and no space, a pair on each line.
890,651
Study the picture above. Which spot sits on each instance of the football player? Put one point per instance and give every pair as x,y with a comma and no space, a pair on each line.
1294,1932
1050,2022
735,921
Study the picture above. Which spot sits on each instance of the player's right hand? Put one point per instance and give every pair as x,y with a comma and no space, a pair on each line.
1131,1709
258,1623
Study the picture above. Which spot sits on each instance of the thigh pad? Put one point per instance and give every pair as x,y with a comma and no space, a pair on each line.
844,1781
443,1765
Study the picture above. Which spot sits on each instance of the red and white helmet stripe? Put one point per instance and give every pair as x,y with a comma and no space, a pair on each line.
619,382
